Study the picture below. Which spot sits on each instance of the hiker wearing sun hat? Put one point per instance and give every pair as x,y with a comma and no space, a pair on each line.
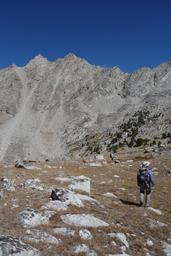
145,180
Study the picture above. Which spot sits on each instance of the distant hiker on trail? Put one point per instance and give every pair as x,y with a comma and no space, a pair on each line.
145,180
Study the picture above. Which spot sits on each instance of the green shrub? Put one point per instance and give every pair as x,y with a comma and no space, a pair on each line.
154,142
114,148
114,140
164,135
139,142
96,149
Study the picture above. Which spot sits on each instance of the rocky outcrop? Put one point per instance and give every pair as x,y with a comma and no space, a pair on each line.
10,246
50,110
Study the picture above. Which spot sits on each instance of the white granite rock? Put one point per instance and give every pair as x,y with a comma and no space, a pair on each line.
85,234
64,231
31,217
85,220
37,236
80,183
10,246
121,237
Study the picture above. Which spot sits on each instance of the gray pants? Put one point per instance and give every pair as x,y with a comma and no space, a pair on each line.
145,195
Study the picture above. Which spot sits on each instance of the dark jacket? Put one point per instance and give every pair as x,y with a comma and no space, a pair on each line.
149,177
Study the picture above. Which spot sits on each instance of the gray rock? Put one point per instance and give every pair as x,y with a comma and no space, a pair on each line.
64,231
67,197
154,224
31,217
33,183
85,220
121,237
166,248
80,183
85,234
10,246
83,248
22,164
59,194
37,236
6,184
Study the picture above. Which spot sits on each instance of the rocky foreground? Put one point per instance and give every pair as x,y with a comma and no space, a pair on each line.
94,210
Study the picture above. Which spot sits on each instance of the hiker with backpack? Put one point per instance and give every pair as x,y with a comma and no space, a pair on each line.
145,180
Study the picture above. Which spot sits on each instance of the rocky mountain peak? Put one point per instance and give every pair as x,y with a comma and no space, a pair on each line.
50,109
71,57
37,60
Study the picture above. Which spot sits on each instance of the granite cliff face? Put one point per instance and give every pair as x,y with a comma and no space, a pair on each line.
49,110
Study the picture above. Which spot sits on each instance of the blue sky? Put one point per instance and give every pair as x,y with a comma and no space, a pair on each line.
124,33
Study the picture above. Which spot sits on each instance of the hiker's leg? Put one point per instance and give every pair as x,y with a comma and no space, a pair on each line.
142,190
148,191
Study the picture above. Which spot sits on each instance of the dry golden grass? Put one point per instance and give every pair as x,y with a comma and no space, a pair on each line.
121,213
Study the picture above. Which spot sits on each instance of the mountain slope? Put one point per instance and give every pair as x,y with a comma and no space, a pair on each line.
49,109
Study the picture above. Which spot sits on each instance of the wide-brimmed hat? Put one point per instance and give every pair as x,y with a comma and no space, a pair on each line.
145,163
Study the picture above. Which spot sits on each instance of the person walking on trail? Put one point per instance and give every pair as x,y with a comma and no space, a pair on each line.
145,180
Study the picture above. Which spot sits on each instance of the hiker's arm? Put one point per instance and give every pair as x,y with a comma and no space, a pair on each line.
152,179
138,178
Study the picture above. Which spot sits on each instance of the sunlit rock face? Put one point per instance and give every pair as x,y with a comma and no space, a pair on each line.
48,108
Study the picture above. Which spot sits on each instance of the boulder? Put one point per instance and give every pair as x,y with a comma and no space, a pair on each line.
59,194
64,231
67,197
85,220
26,165
6,184
23,164
121,237
31,217
81,183
37,236
85,234
10,246
166,248
84,249
33,183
